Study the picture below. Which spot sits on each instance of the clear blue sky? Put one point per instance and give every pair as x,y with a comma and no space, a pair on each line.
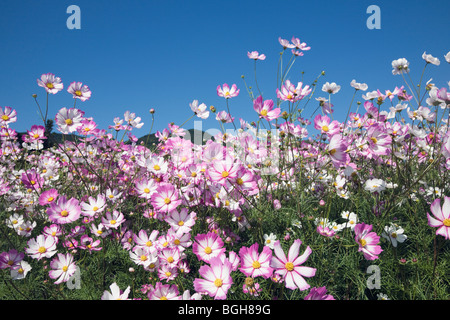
136,54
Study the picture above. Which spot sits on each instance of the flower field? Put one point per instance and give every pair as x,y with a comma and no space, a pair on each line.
279,206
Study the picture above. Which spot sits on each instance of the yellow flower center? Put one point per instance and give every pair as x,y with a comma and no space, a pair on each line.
218,283
94,208
333,151
181,223
363,242
113,222
65,268
256,264
393,235
374,140
446,222
193,174
167,201
68,122
264,113
64,213
148,243
176,241
225,174
239,181
42,250
78,93
325,128
208,250
146,190
289,266
163,298
20,271
170,259
5,117
50,85
156,167
143,257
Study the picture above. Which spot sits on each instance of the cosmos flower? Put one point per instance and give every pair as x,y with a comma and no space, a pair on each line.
7,116
208,246
400,66
254,264
430,59
226,92
41,247
50,83
256,56
394,234
64,211
331,87
116,293
63,267
319,294
199,110
367,241
440,217
79,91
216,279
290,267
265,109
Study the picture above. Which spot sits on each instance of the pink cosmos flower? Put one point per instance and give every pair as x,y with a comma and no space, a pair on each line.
41,247
87,243
367,241
79,91
379,140
224,117
165,199
93,206
441,219
337,149
53,230
254,264
292,93
265,109
285,43
226,92
145,187
50,83
63,267
11,259
113,220
256,56
164,292
170,256
7,116
216,279
182,221
143,256
142,239
221,171
64,211
35,133
300,45
290,268
326,126
319,294
68,120
208,246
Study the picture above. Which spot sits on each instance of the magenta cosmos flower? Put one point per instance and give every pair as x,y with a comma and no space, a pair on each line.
337,149
290,268
326,126
11,259
441,219
64,211
165,199
216,279
367,241
63,267
265,109
319,294
50,83
226,92
208,246
254,264
79,91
